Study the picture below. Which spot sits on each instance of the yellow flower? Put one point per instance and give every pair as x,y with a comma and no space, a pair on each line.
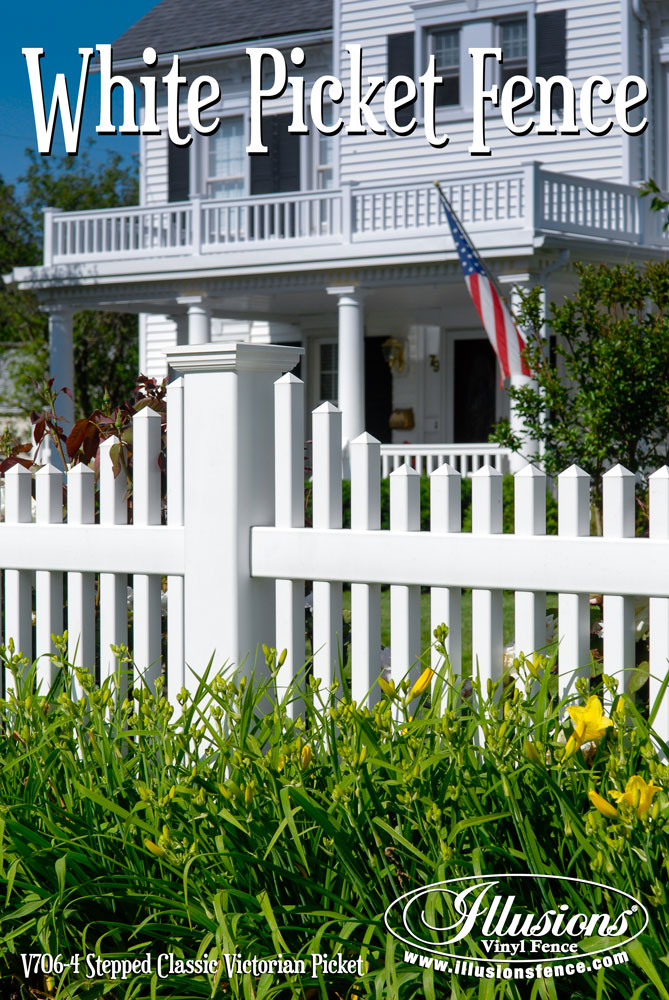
422,684
305,757
604,807
590,723
638,793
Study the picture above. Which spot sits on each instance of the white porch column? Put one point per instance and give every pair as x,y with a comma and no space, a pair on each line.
199,318
351,362
530,446
61,359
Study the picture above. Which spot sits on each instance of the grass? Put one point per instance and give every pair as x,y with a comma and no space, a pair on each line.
233,823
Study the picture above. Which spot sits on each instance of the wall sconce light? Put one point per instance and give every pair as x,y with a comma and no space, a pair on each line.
434,362
393,352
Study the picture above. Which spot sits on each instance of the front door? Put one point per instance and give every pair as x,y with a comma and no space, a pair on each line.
474,390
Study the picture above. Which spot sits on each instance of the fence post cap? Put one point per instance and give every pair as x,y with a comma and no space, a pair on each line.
47,470
574,472
289,378
661,473
529,472
327,407
232,358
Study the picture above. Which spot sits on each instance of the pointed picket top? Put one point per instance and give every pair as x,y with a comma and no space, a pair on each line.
404,470
17,471
365,438
327,407
660,474
290,378
529,472
658,490
80,471
146,413
487,472
444,470
574,472
618,472
18,508
47,470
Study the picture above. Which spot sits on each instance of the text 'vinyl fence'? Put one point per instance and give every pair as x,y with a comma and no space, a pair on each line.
228,568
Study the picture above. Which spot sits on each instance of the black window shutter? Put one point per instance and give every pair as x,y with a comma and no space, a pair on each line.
279,169
551,32
178,172
401,63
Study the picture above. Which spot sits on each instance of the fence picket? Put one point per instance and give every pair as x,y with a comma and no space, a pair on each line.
146,619
176,674
48,585
618,522
365,456
573,609
530,519
289,513
327,631
487,604
404,601
81,586
658,485
446,602
18,582
113,586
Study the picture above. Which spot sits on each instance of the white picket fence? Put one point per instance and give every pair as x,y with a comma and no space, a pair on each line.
231,562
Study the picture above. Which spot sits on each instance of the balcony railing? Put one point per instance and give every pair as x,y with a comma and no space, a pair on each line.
425,458
527,200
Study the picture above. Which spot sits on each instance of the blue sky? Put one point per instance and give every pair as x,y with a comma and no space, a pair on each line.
60,29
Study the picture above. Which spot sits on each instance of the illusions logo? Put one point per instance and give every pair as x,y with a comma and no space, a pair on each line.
516,918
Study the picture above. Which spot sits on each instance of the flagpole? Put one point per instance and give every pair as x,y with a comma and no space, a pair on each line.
457,218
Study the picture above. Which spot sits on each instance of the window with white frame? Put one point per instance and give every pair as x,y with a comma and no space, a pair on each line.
445,47
513,43
225,160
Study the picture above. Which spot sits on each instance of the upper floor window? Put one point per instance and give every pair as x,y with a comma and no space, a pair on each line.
513,42
225,167
445,47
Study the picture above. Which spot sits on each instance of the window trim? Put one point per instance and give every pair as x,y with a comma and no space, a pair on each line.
433,15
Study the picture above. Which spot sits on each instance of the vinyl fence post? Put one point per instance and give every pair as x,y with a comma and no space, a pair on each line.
228,462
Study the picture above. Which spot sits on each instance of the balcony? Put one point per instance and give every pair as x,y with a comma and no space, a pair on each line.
513,207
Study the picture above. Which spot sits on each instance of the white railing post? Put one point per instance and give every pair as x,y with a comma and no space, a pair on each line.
327,642
530,519
196,225
146,491
446,602
347,212
176,674
573,609
365,457
48,236
658,485
81,586
113,586
289,513
227,490
532,200
48,586
18,582
487,604
618,522
404,601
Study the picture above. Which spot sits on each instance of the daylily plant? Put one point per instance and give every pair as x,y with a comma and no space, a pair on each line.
590,723
638,793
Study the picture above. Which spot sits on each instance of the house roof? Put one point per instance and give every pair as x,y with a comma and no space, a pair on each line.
172,26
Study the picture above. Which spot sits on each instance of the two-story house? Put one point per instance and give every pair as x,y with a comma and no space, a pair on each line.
338,243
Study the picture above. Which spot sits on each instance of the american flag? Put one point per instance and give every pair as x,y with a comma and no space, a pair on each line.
506,339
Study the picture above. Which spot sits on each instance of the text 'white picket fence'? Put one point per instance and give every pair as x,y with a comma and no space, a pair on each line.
227,569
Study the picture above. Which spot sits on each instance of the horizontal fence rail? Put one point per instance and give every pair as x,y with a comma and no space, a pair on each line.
523,199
